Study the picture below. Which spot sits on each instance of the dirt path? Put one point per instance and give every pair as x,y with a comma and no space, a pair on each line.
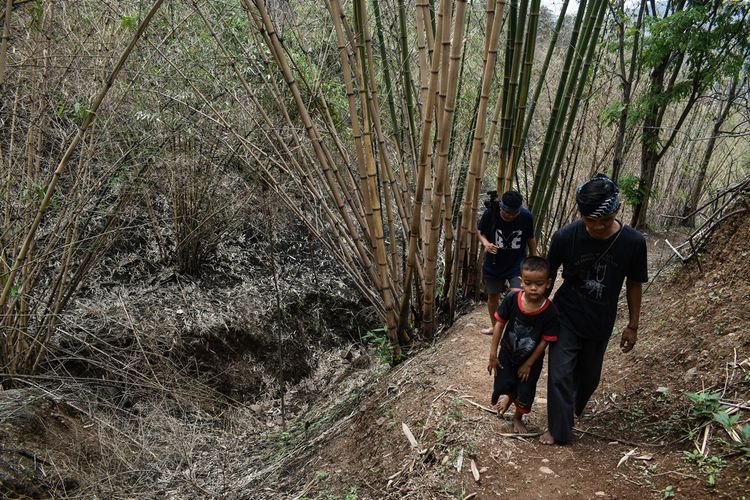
437,395
635,441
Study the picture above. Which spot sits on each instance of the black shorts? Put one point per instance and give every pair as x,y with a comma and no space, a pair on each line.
507,382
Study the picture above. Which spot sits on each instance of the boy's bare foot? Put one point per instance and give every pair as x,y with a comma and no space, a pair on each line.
518,425
503,404
547,438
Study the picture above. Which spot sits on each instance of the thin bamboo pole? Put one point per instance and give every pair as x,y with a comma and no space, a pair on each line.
52,185
407,86
5,41
523,92
419,193
428,309
543,72
581,67
496,11
558,113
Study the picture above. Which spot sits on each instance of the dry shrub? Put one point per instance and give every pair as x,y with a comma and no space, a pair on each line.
207,199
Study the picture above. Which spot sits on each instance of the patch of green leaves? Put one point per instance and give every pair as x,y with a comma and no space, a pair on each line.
705,403
634,194
668,492
710,466
378,338
612,113
128,22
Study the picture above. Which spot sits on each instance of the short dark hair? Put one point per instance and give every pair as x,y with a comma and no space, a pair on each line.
512,199
535,263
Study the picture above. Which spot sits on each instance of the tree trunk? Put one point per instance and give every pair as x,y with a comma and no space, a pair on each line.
697,191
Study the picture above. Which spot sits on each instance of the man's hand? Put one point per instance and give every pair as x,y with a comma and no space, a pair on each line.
523,372
490,248
628,340
493,365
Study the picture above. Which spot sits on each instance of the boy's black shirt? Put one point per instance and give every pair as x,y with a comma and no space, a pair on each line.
525,330
587,299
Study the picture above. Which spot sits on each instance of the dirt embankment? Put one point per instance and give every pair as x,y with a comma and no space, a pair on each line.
355,429
641,435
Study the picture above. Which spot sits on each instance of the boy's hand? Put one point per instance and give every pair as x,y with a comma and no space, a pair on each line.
493,365
524,371
490,248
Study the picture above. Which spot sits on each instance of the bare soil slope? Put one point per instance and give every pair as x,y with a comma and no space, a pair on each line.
631,443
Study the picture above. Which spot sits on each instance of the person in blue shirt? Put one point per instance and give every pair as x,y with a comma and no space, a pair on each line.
505,230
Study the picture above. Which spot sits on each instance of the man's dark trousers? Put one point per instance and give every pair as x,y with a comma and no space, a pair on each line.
575,367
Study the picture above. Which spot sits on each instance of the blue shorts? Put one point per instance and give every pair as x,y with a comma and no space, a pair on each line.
495,285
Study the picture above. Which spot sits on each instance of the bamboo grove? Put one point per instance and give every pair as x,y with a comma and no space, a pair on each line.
355,116
405,216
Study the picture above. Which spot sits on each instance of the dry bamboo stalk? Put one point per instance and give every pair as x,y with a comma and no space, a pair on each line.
474,175
5,40
428,113
384,282
422,56
428,309
378,128
378,277
51,186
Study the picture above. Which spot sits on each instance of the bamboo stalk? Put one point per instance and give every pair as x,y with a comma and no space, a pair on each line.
558,112
427,117
407,85
479,144
51,186
428,309
523,91
589,42
4,41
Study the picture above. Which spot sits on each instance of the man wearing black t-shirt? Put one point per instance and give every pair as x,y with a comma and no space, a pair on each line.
597,254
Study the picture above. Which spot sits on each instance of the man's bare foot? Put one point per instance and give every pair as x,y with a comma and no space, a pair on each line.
518,425
547,438
486,331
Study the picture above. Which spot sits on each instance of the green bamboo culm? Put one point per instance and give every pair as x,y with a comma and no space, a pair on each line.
590,45
523,88
397,129
545,67
541,176
507,104
407,84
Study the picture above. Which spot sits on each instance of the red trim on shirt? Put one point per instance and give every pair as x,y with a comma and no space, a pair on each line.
501,320
549,338
545,305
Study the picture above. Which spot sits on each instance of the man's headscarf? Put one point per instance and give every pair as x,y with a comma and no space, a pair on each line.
598,197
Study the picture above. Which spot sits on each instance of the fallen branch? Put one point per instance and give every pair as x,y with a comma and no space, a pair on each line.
520,434
481,407
412,440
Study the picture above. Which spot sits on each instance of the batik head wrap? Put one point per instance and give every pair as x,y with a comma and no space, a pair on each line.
598,197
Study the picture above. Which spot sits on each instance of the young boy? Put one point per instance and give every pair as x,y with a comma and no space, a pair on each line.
529,320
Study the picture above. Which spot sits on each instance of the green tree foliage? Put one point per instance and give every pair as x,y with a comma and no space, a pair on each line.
687,49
